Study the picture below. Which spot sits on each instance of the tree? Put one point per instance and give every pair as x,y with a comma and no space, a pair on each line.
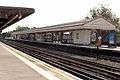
106,13
20,28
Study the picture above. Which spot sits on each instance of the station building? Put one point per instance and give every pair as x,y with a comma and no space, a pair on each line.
83,32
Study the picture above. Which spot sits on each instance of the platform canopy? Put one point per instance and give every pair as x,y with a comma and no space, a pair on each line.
11,15
91,24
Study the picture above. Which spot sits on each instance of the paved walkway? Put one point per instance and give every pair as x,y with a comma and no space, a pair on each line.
12,68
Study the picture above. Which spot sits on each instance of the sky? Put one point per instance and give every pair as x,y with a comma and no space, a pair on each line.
51,12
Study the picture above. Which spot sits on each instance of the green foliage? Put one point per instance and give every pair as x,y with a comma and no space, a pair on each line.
21,28
106,13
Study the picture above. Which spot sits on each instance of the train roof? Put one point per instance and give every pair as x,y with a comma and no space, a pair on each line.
11,15
98,23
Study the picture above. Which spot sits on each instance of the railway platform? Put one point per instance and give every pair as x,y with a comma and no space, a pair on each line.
102,47
13,66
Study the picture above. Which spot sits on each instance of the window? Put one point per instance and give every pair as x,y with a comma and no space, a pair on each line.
77,35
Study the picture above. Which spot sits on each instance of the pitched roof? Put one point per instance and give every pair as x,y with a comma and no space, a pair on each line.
98,23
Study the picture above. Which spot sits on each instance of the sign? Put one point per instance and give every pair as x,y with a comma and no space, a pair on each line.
111,38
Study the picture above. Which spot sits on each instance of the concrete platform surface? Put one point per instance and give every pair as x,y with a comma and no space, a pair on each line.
12,68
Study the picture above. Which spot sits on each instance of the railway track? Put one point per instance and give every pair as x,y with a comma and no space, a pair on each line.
111,55
84,69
